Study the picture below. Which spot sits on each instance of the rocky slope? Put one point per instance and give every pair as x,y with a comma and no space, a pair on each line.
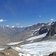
9,52
8,34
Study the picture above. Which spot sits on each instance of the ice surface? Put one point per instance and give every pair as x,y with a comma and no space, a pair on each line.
40,48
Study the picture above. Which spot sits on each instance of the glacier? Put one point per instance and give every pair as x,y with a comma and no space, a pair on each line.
42,48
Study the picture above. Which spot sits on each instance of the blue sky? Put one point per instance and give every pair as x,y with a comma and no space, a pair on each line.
27,12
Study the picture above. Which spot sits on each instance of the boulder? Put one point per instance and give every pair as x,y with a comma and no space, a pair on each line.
9,52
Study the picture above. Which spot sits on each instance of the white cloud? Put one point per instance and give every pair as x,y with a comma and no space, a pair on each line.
7,25
2,20
52,19
13,26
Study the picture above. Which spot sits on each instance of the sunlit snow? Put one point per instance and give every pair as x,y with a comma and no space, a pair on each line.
40,48
36,37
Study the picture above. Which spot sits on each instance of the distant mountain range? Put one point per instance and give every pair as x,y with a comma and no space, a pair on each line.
9,34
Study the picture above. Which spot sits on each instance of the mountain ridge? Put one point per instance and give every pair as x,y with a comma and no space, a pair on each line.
8,34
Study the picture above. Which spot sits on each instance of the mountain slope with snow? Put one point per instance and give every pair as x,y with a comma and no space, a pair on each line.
37,40
36,37
36,31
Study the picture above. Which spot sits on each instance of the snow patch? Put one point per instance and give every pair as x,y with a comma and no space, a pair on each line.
14,43
36,37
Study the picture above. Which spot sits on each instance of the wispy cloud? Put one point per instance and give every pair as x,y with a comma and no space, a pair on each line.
52,19
7,25
2,20
40,16
13,26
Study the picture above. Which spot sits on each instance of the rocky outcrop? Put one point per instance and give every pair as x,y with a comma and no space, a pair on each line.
52,54
8,52
52,29
43,29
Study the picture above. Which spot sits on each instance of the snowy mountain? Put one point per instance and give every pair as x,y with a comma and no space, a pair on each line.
35,40
11,34
34,32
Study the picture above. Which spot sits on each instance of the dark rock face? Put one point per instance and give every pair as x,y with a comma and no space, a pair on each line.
42,30
52,54
52,29
36,33
51,32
